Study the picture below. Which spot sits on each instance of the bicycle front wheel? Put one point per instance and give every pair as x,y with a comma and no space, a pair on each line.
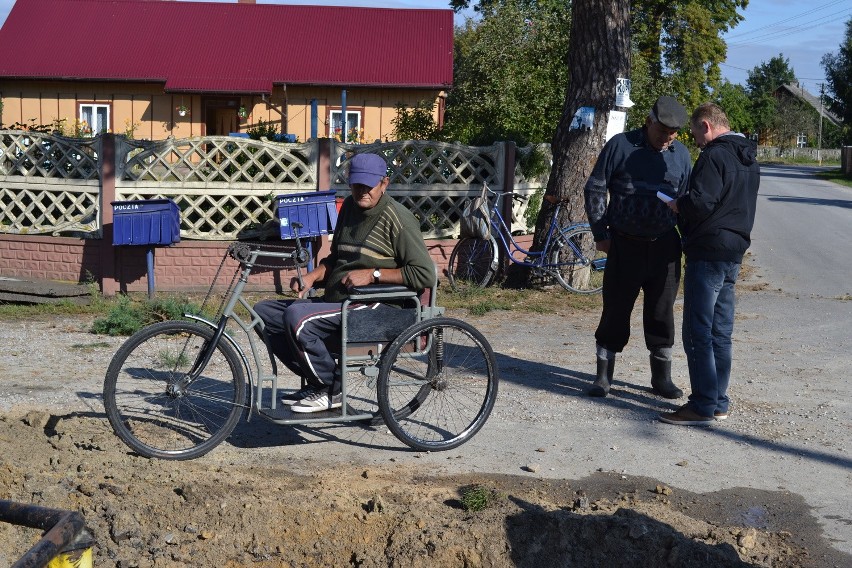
437,384
575,262
149,403
473,263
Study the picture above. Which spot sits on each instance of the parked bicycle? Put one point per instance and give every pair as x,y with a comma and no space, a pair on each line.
568,255
176,389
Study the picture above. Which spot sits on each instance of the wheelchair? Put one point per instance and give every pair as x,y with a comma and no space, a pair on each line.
176,389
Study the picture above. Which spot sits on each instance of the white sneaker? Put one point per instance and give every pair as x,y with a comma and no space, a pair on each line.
317,402
299,395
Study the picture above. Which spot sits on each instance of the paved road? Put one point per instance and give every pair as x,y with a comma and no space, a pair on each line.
803,232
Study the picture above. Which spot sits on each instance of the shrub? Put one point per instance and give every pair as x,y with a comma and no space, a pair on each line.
127,317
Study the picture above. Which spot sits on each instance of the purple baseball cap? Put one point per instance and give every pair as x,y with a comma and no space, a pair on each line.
367,169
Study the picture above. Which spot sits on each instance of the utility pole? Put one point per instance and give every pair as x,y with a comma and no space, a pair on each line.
819,144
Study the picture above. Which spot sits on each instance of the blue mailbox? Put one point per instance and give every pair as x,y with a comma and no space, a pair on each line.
145,222
315,210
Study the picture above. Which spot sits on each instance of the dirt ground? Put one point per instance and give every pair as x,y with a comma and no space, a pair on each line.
218,512
563,490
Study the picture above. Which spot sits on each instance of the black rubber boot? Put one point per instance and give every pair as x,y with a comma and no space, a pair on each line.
602,383
661,378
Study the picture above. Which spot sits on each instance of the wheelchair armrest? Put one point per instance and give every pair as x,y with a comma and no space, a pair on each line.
381,292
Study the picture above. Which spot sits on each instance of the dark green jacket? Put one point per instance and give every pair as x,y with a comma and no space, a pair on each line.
386,236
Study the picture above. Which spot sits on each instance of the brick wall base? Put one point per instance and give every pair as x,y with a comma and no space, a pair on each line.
185,266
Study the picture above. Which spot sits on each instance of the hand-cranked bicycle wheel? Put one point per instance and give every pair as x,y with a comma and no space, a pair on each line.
575,262
437,384
473,262
156,406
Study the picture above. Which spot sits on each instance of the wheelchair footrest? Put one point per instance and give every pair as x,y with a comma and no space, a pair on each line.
283,415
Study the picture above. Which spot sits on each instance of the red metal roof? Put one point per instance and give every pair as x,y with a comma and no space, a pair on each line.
226,48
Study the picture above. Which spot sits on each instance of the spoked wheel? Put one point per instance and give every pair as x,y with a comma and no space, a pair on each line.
575,262
361,396
149,404
437,384
473,263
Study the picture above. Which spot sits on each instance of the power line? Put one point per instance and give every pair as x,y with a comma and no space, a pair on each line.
797,16
805,26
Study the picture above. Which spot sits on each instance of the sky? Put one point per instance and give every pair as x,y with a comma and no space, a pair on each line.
802,31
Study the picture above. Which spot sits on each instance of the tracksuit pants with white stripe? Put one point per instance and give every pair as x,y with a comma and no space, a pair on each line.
303,334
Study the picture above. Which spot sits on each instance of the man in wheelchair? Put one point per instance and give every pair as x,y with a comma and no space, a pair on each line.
376,241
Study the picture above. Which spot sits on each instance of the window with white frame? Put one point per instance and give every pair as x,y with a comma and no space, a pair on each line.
353,126
801,140
94,119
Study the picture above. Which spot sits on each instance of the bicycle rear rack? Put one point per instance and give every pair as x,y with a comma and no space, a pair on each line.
66,532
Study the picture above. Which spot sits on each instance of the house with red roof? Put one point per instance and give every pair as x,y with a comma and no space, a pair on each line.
158,68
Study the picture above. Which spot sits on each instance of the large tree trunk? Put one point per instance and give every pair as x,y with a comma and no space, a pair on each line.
598,54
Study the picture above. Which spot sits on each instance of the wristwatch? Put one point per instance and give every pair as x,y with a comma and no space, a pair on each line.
376,275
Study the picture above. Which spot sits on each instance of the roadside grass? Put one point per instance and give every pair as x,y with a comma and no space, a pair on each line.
836,176
124,314
120,315
480,301
800,161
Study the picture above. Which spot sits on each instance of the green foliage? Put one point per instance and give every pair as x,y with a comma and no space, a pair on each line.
533,207
510,74
475,498
793,117
762,83
263,130
735,101
416,123
765,78
679,43
838,73
126,317
121,320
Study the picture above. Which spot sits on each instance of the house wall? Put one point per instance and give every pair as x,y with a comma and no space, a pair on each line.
138,109
143,110
378,108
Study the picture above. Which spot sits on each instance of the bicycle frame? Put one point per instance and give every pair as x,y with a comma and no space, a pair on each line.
511,247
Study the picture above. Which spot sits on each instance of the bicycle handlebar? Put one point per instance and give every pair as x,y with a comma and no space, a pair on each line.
514,195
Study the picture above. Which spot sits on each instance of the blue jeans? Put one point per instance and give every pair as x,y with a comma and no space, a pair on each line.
708,323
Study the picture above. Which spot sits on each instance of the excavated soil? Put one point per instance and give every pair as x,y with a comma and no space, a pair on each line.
219,512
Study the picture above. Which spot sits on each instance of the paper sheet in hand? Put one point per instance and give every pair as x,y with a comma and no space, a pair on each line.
664,197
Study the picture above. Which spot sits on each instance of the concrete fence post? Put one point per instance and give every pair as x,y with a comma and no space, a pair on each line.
107,169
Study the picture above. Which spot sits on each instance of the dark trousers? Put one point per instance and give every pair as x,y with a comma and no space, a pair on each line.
633,265
303,334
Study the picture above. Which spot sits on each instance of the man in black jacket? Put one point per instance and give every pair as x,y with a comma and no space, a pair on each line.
716,218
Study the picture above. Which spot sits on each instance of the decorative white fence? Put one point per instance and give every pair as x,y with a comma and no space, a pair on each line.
225,186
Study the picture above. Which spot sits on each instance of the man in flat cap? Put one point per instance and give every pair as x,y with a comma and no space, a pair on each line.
636,229
376,241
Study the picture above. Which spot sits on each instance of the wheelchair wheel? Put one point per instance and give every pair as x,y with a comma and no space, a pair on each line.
437,384
149,409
